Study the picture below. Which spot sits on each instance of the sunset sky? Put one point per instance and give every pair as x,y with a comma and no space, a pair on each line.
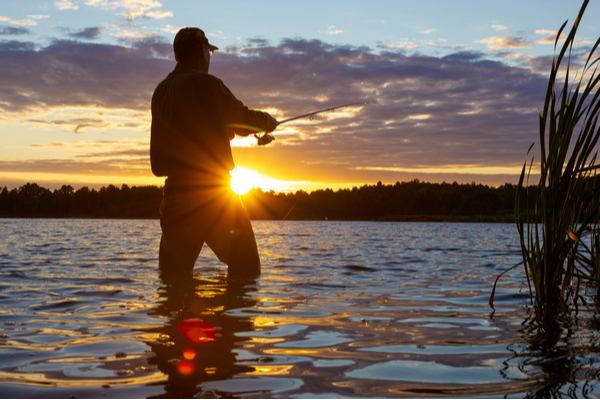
455,86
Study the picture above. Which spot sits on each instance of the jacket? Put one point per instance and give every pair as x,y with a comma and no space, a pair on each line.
192,114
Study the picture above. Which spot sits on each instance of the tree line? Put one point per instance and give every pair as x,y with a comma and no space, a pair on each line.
402,201
34,201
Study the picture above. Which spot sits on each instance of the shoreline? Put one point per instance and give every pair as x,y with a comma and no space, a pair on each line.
504,219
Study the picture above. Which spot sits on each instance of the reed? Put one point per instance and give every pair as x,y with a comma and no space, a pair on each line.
560,236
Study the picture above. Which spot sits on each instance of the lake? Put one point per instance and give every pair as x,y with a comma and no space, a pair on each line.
342,309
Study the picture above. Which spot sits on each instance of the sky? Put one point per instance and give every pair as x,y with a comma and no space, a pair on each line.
451,89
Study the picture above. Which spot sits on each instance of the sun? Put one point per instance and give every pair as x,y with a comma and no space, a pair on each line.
244,179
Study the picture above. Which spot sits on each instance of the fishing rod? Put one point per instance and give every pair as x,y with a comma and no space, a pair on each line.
311,115
267,138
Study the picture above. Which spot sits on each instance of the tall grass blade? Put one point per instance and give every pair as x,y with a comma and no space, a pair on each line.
567,205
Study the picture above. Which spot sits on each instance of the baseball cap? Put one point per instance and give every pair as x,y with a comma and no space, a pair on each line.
190,36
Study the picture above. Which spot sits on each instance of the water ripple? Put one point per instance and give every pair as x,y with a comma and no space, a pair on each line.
342,309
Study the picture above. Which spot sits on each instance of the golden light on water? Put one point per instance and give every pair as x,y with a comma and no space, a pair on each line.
243,179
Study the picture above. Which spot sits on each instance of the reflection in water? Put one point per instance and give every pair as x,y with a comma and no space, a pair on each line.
342,309
560,355
197,343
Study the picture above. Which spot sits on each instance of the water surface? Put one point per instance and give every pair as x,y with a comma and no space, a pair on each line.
342,309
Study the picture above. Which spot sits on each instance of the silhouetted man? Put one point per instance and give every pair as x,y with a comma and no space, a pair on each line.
192,117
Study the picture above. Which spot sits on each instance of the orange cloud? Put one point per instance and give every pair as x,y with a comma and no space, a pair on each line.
505,42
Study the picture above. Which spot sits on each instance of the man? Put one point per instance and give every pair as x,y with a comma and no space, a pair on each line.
193,115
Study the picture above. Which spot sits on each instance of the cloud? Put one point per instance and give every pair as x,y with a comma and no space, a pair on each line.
78,124
14,47
69,73
132,15
429,112
549,37
505,42
129,36
216,34
94,163
118,26
158,14
87,33
399,44
515,56
172,29
464,94
66,5
87,164
9,30
331,30
128,4
97,148
498,27
21,22
428,31
133,8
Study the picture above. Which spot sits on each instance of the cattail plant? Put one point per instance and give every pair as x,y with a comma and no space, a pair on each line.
560,238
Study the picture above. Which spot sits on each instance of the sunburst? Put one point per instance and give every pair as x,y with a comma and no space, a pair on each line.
243,179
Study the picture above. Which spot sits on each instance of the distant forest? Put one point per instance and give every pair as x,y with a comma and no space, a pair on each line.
406,201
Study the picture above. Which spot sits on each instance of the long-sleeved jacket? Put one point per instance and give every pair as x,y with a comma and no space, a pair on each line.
192,114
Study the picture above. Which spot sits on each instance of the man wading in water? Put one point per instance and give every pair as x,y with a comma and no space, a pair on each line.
192,115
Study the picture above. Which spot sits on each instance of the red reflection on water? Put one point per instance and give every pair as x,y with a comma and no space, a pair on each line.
189,354
185,367
197,331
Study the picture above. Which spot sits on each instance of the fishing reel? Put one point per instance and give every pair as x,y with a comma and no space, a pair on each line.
264,138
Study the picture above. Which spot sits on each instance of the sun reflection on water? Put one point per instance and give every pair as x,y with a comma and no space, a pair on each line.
341,310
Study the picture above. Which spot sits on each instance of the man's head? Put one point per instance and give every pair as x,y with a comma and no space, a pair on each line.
192,46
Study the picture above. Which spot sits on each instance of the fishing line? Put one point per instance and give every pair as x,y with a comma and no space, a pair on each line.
295,204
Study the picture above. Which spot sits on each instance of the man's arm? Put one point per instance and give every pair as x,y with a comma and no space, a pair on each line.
241,120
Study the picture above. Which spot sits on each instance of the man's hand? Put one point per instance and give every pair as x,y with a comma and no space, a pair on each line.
271,124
